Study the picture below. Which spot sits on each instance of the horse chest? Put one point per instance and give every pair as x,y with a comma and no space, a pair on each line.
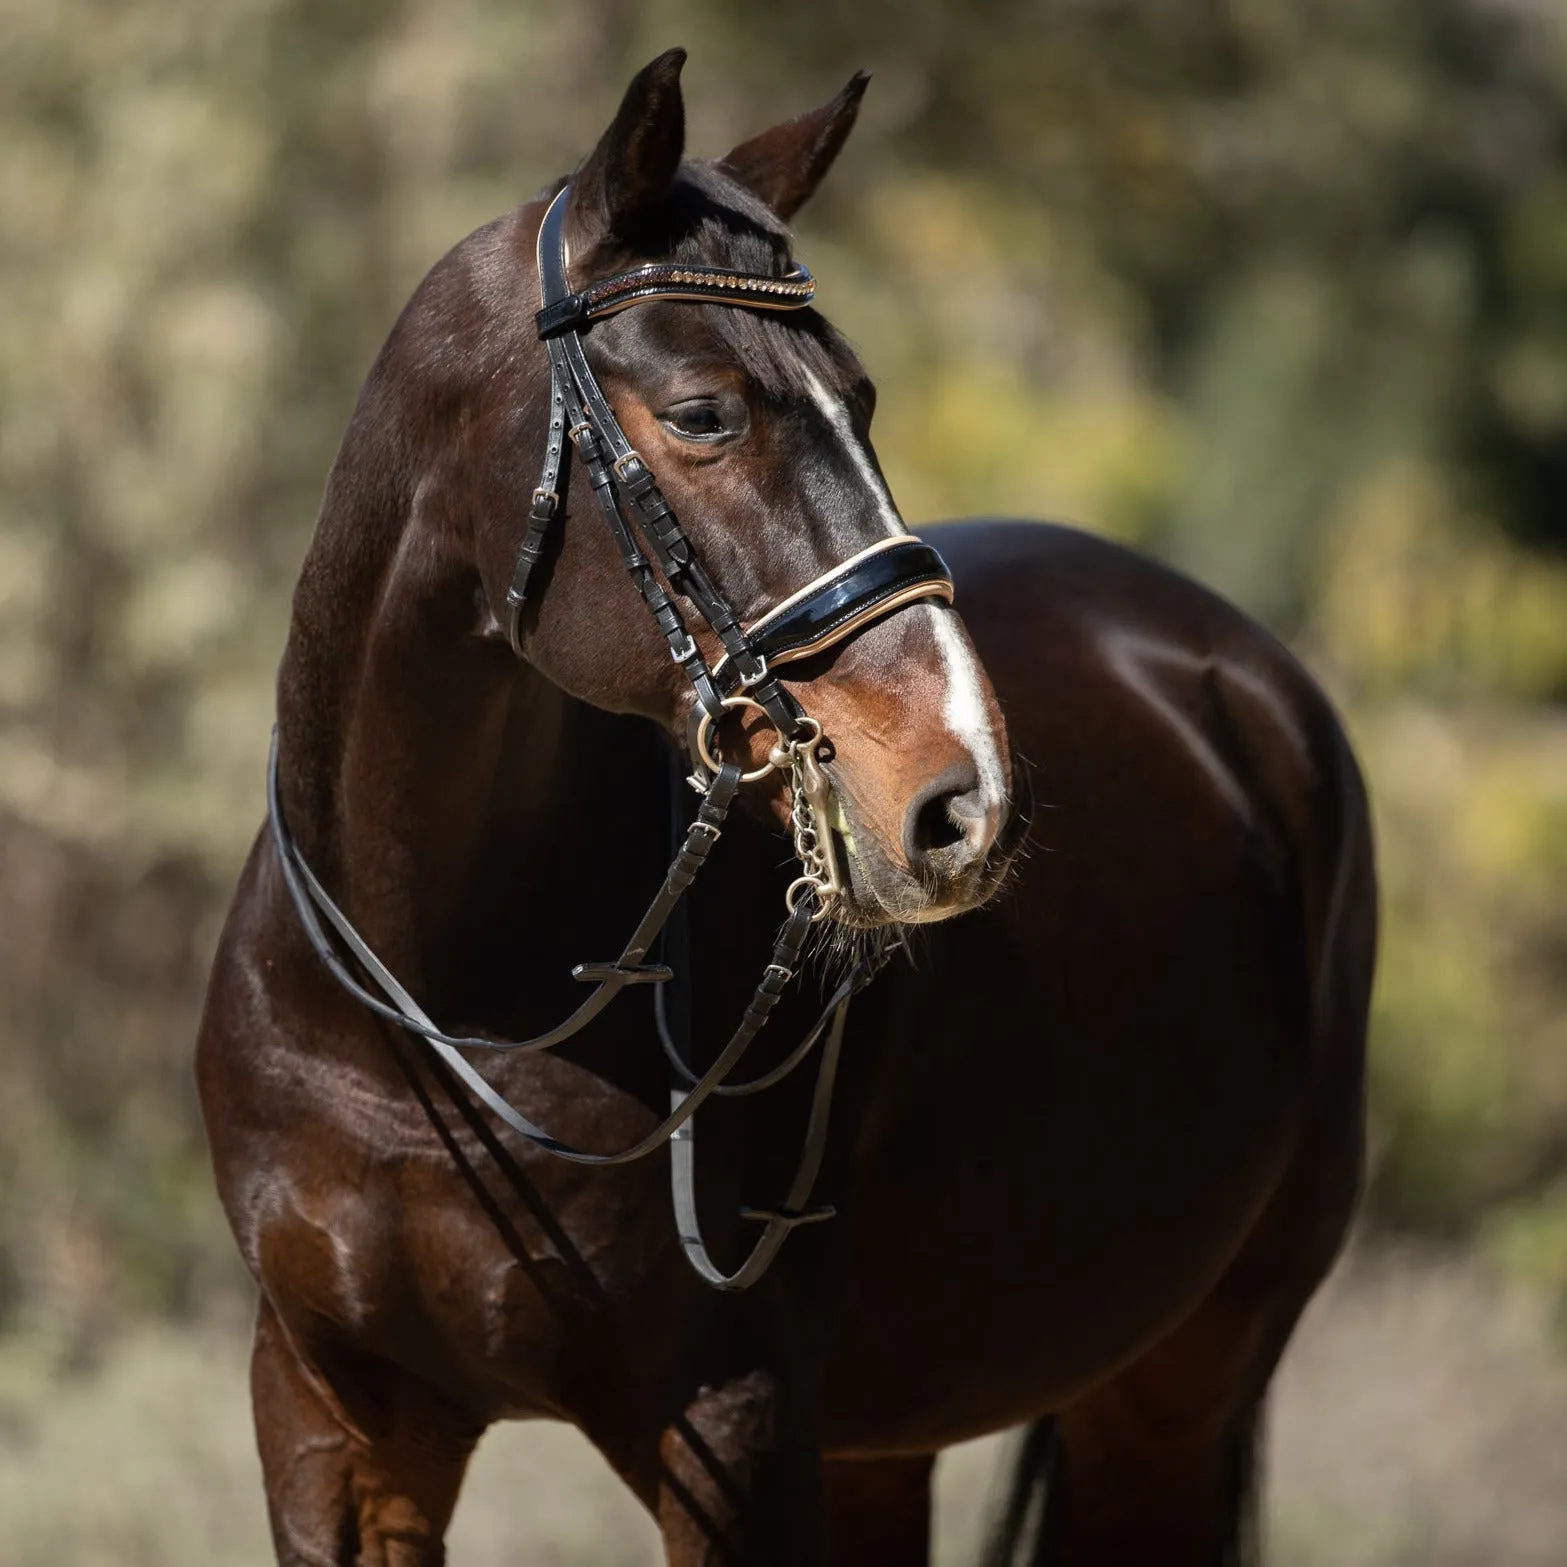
417,1243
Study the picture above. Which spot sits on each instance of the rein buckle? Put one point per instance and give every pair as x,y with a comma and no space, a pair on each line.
625,973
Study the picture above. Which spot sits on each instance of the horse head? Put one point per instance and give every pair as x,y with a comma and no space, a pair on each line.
756,425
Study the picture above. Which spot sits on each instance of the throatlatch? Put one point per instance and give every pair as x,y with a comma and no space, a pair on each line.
871,584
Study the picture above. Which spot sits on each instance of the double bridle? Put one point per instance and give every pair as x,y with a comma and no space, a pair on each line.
869,585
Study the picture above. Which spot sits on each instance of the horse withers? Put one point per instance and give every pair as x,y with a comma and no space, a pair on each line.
1090,1147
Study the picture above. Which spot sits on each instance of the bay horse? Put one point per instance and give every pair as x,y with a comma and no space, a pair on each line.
1091,1146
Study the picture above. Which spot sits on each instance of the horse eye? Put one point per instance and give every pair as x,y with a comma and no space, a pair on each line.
696,422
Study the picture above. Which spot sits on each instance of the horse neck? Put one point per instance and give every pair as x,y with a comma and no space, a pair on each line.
430,778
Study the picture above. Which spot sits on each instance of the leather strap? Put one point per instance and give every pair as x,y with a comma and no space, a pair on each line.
682,645
865,588
400,1007
683,1074
541,513
679,281
630,968
672,1013
778,1222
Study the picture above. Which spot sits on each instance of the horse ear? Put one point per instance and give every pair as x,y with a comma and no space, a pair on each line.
785,165
627,176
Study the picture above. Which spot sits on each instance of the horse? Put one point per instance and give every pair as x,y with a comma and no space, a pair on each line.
1090,1147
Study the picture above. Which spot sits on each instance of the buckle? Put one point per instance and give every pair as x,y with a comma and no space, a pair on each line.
628,457
759,670
684,652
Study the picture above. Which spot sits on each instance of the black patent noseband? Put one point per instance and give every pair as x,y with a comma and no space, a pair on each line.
870,584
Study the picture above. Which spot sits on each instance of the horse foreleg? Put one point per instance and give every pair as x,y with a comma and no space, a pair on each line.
878,1511
374,1487
738,1481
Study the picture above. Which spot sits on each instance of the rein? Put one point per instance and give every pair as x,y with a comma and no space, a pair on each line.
867,586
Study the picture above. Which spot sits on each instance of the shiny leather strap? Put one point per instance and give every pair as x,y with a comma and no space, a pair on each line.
541,513
679,281
778,1223
863,589
630,968
666,613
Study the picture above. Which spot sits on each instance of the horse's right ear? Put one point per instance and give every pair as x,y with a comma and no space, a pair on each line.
627,176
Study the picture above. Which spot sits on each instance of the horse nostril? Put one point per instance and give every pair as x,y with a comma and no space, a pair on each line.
948,811
934,827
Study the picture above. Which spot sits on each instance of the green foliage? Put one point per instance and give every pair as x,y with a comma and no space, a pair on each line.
1415,597
1469,1069
1279,291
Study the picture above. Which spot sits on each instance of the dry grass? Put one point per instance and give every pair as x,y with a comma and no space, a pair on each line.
1420,1419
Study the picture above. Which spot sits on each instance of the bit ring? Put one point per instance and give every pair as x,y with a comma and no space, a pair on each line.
704,731
822,892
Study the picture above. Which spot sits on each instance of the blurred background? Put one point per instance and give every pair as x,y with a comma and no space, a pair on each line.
1276,289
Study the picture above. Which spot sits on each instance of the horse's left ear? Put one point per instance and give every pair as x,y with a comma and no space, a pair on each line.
785,165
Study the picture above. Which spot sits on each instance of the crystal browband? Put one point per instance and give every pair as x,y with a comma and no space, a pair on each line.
666,280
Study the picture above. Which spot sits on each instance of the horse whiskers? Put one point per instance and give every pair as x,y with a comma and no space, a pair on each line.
838,949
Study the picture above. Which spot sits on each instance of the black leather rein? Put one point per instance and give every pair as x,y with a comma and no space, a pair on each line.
871,584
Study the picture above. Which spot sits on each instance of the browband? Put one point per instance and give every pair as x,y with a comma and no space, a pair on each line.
667,280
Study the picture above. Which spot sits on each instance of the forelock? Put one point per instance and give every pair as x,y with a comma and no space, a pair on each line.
713,220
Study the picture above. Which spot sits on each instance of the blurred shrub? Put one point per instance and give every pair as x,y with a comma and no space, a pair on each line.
1415,596
1469,1070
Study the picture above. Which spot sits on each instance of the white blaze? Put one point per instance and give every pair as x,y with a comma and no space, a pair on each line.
965,707
964,710
837,416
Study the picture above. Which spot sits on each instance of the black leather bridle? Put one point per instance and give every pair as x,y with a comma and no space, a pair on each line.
871,584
